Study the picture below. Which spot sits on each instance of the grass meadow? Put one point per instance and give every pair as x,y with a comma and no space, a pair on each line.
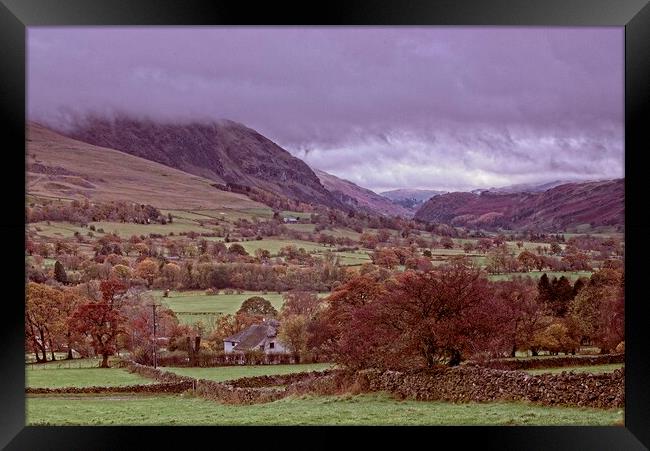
199,302
81,377
367,409
225,373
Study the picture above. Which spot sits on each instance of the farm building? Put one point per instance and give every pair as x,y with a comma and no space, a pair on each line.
261,337
290,220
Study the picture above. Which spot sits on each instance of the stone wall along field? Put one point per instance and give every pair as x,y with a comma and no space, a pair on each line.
474,384
551,362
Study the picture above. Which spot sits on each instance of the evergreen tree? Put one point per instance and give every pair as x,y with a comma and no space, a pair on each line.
59,273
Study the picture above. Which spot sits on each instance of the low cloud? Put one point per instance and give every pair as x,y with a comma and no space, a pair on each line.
438,107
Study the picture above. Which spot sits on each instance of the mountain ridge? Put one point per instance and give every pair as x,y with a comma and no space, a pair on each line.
224,151
599,203
358,197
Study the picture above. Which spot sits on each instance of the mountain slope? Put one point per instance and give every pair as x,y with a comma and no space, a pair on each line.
224,151
565,206
410,198
360,198
58,166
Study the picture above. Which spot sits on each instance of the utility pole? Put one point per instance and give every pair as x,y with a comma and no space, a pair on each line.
155,342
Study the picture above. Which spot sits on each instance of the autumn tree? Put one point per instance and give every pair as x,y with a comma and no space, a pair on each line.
257,305
518,314
121,272
237,249
344,333
42,312
148,270
171,274
71,299
368,240
293,334
138,326
556,337
598,309
439,315
297,302
385,257
101,320
528,260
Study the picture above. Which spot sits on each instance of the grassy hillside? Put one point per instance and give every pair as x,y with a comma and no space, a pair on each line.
60,167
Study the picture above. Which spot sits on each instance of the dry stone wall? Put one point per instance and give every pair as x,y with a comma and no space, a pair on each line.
474,384
466,383
551,362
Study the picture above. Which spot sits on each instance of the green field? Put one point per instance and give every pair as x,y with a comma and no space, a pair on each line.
595,369
304,228
57,229
274,245
81,377
230,214
194,306
207,319
91,362
186,215
199,302
225,373
353,258
127,229
368,409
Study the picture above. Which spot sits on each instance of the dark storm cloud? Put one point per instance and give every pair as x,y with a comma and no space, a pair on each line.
447,107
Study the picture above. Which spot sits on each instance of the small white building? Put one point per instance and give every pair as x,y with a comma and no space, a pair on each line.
261,337
290,220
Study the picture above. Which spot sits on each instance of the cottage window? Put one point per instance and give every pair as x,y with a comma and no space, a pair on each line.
262,347
271,345
232,343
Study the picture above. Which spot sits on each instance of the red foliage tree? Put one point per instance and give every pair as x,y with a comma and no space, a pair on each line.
101,320
416,318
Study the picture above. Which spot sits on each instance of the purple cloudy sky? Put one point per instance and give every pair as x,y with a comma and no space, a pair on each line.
450,108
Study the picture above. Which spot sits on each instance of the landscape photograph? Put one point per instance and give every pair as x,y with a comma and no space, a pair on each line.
324,226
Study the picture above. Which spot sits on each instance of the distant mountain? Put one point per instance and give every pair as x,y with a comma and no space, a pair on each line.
360,198
61,167
226,152
565,206
410,198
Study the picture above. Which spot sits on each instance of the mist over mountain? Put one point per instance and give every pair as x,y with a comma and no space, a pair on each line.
410,198
224,151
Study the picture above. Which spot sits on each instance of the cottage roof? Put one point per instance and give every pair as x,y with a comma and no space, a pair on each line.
253,335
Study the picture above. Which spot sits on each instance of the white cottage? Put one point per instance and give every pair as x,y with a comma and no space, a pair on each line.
262,337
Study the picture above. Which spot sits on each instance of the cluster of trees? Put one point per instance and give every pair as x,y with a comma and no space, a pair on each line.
93,318
375,319
84,212
452,312
501,260
320,275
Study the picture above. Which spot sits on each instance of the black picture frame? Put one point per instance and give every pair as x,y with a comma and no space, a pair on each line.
16,15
